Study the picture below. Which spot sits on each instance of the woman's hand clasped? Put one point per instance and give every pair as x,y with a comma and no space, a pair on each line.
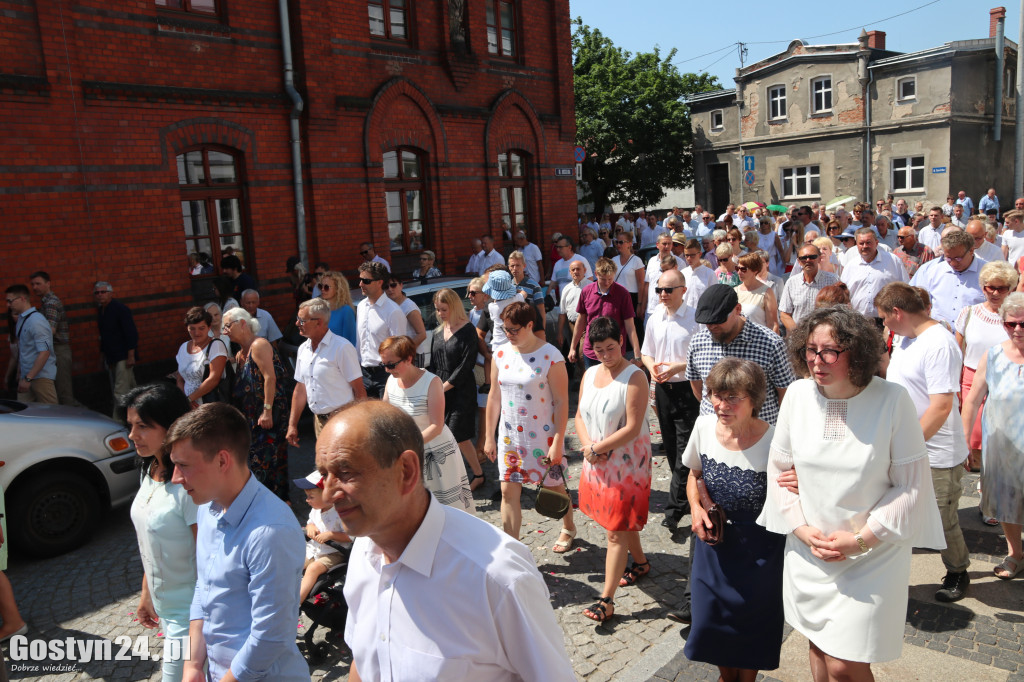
787,479
825,548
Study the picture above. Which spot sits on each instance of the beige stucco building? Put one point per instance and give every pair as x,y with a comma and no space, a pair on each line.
816,122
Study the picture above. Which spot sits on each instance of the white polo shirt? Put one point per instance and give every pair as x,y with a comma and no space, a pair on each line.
376,322
489,259
865,280
667,336
531,252
327,372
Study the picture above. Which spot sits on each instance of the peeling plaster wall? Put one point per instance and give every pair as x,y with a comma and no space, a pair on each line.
840,162
700,121
932,143
933,93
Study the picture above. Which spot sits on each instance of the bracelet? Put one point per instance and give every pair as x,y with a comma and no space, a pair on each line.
860,541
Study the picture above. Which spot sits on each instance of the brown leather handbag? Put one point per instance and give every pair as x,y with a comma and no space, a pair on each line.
715,513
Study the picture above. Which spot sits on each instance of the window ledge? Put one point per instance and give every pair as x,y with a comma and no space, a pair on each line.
718,130
908,100
178,23
777,121
822,114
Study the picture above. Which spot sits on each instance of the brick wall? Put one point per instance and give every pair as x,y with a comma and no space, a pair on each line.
101,97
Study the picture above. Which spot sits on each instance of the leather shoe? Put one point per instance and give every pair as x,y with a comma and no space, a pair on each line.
954,587
670,522
682,615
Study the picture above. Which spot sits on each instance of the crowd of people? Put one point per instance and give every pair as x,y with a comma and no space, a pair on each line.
822,380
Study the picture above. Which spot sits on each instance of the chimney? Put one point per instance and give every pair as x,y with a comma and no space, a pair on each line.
994,16
876,40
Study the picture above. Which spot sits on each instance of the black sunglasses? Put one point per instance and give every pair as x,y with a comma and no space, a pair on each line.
664,290
390,365
810,257
363,253
363,280
394,284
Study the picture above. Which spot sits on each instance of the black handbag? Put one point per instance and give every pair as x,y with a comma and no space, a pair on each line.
223,391
552,503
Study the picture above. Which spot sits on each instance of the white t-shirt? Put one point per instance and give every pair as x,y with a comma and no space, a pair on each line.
653,274
930,365
192,365
531,252
324,520
1014,242
625,274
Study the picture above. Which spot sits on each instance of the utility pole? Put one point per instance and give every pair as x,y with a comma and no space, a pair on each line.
742,48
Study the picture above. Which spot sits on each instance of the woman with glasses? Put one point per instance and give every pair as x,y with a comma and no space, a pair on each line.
756,297
737,583
1000,378
528,408
201,360
261,393
396,293
334,289
863,499
419,394
615,486
453,351
426,268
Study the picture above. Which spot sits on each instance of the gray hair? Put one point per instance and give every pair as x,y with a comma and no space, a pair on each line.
211,305
957,237
990,231
247,292
718,234
1012,305
429,254
316,307
241,314
104,286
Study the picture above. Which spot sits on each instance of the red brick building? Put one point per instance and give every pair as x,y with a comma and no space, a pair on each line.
135,133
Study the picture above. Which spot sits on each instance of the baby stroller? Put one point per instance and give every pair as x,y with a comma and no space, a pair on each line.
326,606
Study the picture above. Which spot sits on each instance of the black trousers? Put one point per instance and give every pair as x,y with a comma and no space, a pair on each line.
374,379
677,410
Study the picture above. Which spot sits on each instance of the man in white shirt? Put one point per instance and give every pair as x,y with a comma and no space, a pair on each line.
649,234
327,372
666,342
931,234
926,361
473,266
268,328
697,275
743,221
801,290
983,248
490,256
886,232
560,272
433,593
641,221
730,211
1013,236
369,255
625,221
532,254
868,271
952,280
377,318
648,300
692,220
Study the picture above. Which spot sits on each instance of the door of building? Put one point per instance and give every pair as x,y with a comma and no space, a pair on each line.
718,187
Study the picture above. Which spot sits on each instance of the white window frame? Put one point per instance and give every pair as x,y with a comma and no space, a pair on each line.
721,119
899,89
801,174
814,95
908,172
783,110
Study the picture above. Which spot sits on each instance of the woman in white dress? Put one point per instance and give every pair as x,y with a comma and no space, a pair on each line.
631,269
419,394
412,314
864,500
195,354
756,297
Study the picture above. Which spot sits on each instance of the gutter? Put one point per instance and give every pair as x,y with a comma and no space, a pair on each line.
295,138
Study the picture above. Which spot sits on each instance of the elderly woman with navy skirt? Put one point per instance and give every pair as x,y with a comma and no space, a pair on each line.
736,584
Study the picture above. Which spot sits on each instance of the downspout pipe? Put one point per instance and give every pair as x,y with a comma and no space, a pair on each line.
295,138
1018,154
997,131
865,76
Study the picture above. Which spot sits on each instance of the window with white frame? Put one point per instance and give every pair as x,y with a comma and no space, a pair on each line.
907,173
717,119
906,88
801,181
777,102
821,94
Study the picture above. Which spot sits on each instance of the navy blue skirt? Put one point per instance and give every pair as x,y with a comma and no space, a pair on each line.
736,597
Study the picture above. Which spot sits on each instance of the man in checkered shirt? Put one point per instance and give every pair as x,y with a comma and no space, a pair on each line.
802,288
729,333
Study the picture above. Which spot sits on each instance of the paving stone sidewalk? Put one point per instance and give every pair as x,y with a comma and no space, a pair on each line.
92,593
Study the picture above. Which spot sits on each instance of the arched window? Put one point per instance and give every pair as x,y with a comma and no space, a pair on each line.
211,208
512,190
405,197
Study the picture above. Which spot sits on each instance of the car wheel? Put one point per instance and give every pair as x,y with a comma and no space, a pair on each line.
52,514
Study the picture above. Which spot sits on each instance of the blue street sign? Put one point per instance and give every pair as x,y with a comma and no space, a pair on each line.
580,154
939,169
748,164
748,177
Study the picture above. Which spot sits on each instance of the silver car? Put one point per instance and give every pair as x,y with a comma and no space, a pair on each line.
61,468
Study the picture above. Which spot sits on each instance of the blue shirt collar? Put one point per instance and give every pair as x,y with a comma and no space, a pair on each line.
234,514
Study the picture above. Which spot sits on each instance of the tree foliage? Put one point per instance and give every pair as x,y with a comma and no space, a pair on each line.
631,119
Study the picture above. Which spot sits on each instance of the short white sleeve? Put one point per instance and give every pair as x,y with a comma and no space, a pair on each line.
348,361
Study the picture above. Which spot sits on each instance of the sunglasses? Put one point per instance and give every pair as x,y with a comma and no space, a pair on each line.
807,258
363,280
390,365
996,290
741,268
325,287
1010,326
472,293
620,243
665,290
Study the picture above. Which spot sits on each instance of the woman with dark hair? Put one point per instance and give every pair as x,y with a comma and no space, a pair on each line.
865,485
164,517
529,401
195,355
615,486
736,583
261,394
222,288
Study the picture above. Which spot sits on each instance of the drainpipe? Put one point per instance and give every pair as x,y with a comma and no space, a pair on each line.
296,140
865,76
1018,155
997,132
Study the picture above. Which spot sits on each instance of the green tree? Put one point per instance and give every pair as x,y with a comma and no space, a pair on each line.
631,119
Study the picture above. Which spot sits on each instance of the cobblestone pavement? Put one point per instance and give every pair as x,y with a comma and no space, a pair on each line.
92,594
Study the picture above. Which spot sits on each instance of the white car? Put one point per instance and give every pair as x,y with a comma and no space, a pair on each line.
61,468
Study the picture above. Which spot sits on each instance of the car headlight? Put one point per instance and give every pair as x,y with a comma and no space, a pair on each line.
117,443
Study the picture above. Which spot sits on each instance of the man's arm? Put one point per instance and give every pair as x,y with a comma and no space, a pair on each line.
193,669
939,407
697,386
787,321
298,404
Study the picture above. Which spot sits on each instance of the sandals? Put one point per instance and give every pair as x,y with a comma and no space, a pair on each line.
1012,566
632,574
473,478
563,546
599,611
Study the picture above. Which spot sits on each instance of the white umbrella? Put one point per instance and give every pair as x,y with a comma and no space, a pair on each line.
838,201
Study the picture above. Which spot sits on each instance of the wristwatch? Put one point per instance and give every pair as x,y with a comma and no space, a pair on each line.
860,541
267,406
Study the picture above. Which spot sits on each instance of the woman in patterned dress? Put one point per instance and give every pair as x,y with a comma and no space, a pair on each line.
615,486
529,406
419,394
261,374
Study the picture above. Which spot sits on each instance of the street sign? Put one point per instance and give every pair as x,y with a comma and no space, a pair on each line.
748,164
564,172
580,154
579,171
939,169
748,177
